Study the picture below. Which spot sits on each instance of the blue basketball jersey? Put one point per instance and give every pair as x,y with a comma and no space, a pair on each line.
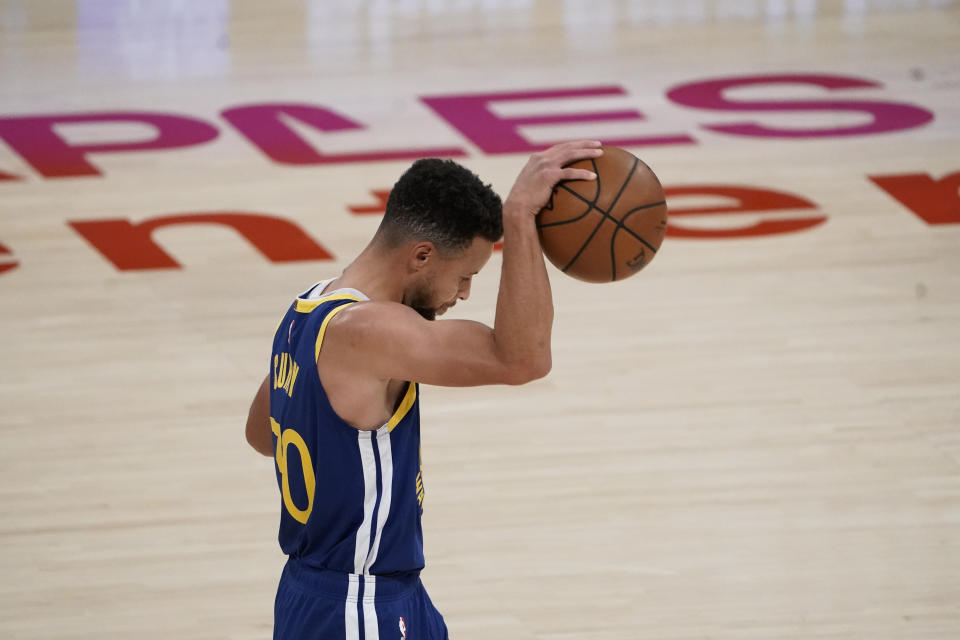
351,500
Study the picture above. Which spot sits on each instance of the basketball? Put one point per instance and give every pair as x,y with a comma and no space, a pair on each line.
605,229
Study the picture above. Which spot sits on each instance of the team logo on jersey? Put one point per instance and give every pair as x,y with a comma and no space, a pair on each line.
403,628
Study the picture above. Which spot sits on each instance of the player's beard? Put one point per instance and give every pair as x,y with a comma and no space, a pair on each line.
419,301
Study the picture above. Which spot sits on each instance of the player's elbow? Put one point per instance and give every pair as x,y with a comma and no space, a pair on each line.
529,370
544,365
261,447
256,439
251,439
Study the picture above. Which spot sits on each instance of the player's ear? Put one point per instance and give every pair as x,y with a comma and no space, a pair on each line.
421,254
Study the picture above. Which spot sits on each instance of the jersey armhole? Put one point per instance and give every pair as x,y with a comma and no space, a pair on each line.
409,397
405,405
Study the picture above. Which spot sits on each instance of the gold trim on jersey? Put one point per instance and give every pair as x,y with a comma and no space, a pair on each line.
408,399
306,306
326,321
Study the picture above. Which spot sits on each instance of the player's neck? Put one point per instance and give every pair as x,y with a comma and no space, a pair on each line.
373,273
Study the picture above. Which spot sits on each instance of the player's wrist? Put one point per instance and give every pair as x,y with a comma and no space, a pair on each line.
519,222
518,211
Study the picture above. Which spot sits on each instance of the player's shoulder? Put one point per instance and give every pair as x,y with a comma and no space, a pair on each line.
370,318
366,332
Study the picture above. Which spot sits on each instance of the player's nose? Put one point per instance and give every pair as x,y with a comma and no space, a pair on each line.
464,291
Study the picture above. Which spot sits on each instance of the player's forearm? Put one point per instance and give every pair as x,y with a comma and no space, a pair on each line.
525,303
258,431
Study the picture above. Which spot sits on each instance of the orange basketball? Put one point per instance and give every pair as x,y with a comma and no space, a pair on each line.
609,228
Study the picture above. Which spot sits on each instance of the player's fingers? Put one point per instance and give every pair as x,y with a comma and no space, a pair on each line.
577,174
574,146
565,149
567,154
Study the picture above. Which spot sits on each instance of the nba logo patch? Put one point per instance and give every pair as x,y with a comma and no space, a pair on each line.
403,628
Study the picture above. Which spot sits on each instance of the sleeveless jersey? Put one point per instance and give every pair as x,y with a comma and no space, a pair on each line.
351,500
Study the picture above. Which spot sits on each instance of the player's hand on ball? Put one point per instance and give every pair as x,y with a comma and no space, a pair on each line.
545,169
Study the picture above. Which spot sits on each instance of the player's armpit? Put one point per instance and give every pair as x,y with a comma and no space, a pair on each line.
392,341
258,420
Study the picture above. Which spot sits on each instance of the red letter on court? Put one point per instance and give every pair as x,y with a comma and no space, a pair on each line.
934,201
739,200
34,138
263,125
6,266
884,116
130,246
378,209
472,116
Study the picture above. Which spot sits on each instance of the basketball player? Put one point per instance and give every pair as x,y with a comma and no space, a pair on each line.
339,410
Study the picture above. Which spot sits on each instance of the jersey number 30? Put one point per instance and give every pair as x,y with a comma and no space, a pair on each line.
285,438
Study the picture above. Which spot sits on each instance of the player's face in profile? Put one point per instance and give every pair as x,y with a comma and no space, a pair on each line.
448,279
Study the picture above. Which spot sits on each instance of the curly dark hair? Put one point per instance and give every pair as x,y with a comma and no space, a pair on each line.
444,203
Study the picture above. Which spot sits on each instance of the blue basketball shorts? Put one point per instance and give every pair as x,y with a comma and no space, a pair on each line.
328,605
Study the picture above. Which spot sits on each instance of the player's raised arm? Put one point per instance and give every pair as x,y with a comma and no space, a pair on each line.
392,341
524,316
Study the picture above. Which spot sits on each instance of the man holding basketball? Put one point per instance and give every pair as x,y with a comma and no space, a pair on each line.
339,410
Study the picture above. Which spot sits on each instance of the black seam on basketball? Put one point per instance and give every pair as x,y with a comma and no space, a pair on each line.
581,199
549,205
621,225
592,204
590,207
613,255
604,214
587,242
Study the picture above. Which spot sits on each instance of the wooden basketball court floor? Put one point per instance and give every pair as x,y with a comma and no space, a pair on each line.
756,437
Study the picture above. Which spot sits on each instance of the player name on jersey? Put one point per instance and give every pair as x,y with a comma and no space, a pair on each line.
285,371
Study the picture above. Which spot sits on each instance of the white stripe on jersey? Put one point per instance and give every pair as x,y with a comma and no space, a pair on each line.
386,475
371,629
351,618
362,550
318,291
